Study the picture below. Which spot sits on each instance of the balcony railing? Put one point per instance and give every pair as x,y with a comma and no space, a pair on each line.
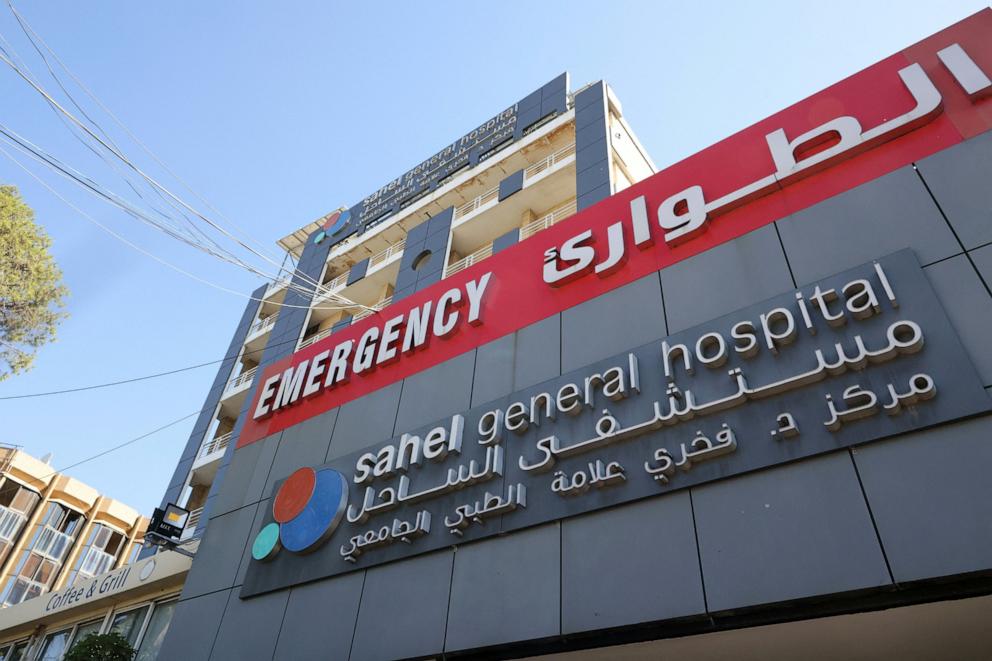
316,338
215,444
375,308
275,286
375,260
53,544
10,523
262,325
191,523
529,173
466,262
96,561
547,220
549,162
240,380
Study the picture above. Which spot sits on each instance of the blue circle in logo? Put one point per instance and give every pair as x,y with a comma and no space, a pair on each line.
321,515
340,223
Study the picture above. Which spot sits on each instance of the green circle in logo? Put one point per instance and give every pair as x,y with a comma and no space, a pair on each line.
266,543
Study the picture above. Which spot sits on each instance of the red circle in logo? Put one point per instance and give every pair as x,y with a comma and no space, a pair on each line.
294,494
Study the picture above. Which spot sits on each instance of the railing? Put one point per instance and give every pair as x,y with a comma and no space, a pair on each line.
262,325
466,262
473,205
241,379
547,220
530,172
10,523
316,338
385,255
274,286
96,562
375,308
53,544
341,281
191,523
550,161
215,444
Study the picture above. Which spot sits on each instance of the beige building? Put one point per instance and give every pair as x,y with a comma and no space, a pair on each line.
56,534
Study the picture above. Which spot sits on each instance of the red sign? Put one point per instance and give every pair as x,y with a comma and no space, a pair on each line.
926,98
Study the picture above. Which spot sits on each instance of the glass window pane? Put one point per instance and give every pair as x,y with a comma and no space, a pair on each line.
86,629
55,644
19,652
155,633
3,652
128,624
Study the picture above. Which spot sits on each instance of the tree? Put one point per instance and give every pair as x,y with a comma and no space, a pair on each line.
31,290
101,647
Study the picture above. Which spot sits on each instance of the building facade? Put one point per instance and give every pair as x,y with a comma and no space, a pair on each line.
533,397
56,533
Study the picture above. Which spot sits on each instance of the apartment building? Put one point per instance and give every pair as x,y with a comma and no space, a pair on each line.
526,169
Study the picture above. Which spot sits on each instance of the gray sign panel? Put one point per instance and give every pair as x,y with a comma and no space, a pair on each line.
853,358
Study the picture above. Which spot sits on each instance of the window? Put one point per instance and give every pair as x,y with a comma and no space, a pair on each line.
40,564
85,629
128,623
99,553
55,645
15,652
158,626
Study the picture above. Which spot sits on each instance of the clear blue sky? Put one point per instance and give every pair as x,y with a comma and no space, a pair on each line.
279,112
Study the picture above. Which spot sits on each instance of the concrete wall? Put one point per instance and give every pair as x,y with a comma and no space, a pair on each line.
872,525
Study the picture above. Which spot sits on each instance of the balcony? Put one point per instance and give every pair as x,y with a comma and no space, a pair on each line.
375,308
215,445
96,562
468,261
547,220
10,524
240,382
191,523
262,326
542,168
53,544
376,262
313,339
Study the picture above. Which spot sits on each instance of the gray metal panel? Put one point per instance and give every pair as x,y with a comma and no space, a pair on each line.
358,271
307,631
304,444
732,275
506,589
586,200
441,390
220,552
969,308
365,421
194,627
626,317
983,262
493,370
511,184
507,240
538,355
244,482
793,531
250,627
403,608
931,497
882,216
958,177
261,516
611,561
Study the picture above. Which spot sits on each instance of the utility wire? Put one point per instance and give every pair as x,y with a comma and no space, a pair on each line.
150,254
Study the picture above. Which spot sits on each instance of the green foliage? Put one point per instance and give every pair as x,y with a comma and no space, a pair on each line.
101,647
31,290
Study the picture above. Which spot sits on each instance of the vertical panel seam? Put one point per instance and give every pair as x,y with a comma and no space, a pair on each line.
447,610
871,515
785,254
282,621
220,623
699,553
358,614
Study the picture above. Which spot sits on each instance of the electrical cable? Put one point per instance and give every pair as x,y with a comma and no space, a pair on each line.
152,255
